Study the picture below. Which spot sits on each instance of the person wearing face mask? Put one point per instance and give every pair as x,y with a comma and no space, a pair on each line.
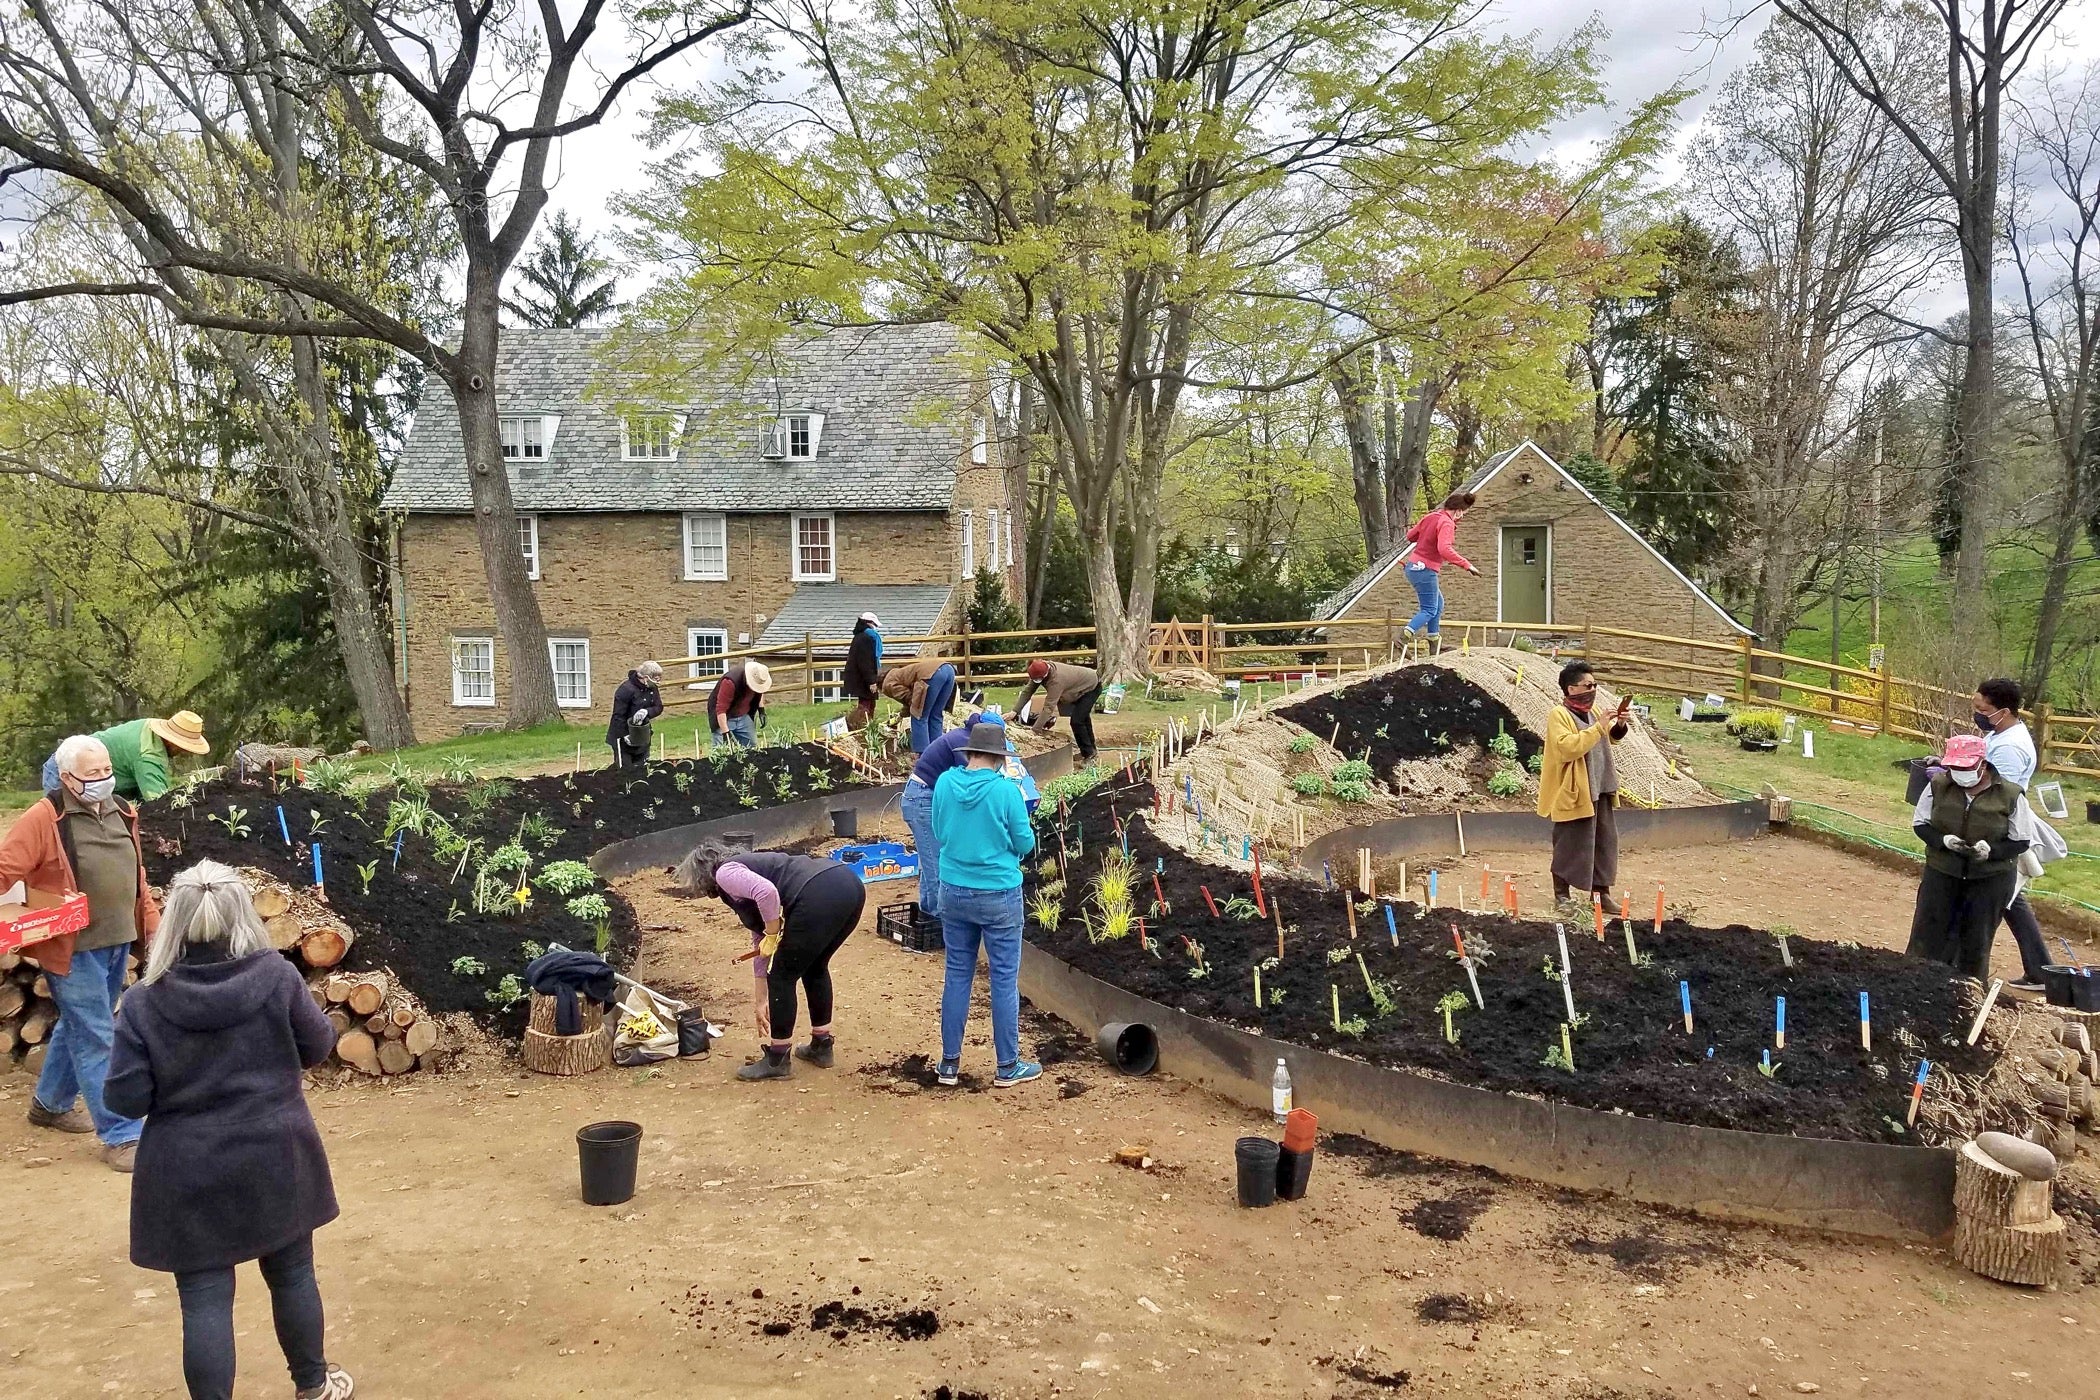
1975,827
2009,749
1579,786
636,704
83,837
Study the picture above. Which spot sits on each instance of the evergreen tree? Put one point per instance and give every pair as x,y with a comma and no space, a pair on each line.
569,281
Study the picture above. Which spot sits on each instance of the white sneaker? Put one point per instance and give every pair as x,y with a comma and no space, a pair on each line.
338,1386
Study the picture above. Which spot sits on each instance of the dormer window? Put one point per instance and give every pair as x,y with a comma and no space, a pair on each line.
650,437
524,439
795,437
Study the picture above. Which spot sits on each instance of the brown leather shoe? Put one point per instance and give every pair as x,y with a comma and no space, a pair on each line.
121,1158
76,1119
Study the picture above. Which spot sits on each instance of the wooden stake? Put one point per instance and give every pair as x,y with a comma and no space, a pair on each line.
1633,958
1277,909
1337,991
1349,904
1984,1011
1257,986
1460,818
1658,908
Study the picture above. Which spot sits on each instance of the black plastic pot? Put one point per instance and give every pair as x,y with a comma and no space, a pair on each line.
1919,776
1761,745
845,823
739,840
1257,1158
1293,1171
608,1154
2070,986
2092,812
1129,1045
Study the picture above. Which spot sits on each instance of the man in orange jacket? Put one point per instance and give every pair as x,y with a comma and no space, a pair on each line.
84,838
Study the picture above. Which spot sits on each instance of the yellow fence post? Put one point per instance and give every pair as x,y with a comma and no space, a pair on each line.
1884,696
2041,737
1748,643
809,666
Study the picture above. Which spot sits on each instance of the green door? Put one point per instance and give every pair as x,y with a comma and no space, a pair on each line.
1527,568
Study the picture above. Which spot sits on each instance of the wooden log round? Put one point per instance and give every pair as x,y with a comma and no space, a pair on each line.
8,1039
377,1026
339,986
1995,1194
340,1019
325,946
543,1010
566,1054
270,901
284,931
13,998
359,1051
394,1058
36,1025
33,1058
366,997
403,1012
40,987
2025,1254
422,1037
10,960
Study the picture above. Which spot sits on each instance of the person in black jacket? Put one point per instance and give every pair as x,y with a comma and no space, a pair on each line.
636,704
863,668
211,1047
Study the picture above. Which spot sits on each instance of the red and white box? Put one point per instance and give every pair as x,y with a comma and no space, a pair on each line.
30,916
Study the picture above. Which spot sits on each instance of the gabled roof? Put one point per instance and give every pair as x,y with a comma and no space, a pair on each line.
895,427
827,611
1338,602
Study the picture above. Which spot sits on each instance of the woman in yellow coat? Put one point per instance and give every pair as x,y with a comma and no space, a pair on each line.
1579,786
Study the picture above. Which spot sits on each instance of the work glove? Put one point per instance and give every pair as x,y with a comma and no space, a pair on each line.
1979,850
760,713
1954,843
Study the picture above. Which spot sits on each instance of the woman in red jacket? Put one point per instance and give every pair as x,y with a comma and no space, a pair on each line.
1432,539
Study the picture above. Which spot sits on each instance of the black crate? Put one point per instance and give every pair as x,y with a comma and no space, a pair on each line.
907,926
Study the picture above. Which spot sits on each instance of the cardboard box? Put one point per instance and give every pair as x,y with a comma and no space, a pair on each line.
31,916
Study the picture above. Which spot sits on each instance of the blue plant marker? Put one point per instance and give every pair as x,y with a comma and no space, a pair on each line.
1767,1060
1159,865
1327,874
1432,889
318,882
398,837
1684,994
1246,846
1866,1025
1782,1023
1392,929
1709,1052
1924,1068
281,825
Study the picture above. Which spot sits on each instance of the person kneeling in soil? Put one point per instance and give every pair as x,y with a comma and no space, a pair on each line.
981,822
1579,786
1975,827
211,1048
799,910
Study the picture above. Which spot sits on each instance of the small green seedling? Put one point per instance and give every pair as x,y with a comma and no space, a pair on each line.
1768,1067
1450,1004
1355,1027
1505,782
235,820
455,913
364,876
506,992
1309,785
1303,743
469,967
1337,955
1557,1058
1242,908
1552,972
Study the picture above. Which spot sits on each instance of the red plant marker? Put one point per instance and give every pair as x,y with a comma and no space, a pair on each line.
1208,900
1625,906
1260,905
1155,802
1459,939
1141,934
1157,897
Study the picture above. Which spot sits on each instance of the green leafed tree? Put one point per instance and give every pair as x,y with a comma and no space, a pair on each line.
565,282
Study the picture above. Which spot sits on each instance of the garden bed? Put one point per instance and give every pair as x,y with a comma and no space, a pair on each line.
1414,712
1632,1054
418,917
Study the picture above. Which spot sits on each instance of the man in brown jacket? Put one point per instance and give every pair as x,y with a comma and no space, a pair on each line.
925,687
1068,690
84,838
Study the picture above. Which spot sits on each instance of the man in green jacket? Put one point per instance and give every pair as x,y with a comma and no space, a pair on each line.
138,753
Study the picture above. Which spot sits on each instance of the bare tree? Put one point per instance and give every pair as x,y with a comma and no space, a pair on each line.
1984,46
2058,257
473,98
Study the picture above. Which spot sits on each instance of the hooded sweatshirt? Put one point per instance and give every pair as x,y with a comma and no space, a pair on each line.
981,821
230,1167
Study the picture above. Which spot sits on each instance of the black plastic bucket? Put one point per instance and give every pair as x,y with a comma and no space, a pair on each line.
1130,1046
1257,1158
692,1032
2070,986
739,840
608,1154
845,822
1293,1171
1914,784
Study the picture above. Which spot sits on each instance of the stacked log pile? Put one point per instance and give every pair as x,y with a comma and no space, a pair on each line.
381,1028
2004,1224
27,1013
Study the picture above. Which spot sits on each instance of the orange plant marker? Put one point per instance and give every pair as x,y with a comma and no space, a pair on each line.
1483,886
1598,907
1509,895
1625,906
1658,906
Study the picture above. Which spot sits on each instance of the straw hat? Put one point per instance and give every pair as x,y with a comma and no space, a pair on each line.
758,677
185,730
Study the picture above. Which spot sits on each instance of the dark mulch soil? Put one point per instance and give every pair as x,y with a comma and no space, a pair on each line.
1451,1307
1449,1217
417,919
1632,1054
1413,713
1649,1255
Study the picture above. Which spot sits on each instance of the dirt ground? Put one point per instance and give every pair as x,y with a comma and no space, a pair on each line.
464,1265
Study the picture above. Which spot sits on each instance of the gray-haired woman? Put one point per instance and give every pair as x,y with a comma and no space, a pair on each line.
211,1046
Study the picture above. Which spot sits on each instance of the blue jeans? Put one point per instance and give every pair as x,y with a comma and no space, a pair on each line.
993,918
940,689
77,1060
917,808
741,730
1429,591
295,1306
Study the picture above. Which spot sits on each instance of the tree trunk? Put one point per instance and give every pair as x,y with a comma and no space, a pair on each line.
2069,525
1974,623
471,376
1366,476
1404,464
1039,557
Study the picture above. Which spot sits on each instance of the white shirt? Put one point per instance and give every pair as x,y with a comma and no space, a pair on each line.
2010,752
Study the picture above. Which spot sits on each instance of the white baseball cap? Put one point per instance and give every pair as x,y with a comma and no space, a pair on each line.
871,619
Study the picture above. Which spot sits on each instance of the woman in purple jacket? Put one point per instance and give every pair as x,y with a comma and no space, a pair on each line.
211,1047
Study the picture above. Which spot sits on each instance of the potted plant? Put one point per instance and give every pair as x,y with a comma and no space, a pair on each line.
1757,730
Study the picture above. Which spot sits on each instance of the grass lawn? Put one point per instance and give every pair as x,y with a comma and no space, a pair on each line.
1855,788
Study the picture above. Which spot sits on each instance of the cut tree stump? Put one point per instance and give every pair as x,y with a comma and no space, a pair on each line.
541,1018
40,987
566,1054
8,1038
1991,1193
366,997
270,901
2025,1254
359,1051
422,1037
325,947
394,1058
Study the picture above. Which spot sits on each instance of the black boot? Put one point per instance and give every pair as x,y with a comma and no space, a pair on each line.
772,1065
817,1052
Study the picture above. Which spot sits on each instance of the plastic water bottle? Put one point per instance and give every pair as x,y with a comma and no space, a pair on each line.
1280,1092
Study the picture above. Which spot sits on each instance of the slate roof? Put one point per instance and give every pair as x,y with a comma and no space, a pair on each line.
894,432
828,610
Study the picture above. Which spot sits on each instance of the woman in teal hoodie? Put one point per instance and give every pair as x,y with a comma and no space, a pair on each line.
982,825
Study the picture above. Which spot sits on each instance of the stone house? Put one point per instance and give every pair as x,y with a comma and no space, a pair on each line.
852,471
1548,553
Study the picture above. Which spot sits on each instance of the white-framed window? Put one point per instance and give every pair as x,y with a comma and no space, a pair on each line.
795,436
816,552
650,437
978,445
705,641
830,685
529,544
969,549
991,537
524,439
707,547
1008,524
474,671
572,671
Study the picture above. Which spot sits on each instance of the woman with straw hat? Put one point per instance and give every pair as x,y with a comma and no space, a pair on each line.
138,753
737,706
211,1050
